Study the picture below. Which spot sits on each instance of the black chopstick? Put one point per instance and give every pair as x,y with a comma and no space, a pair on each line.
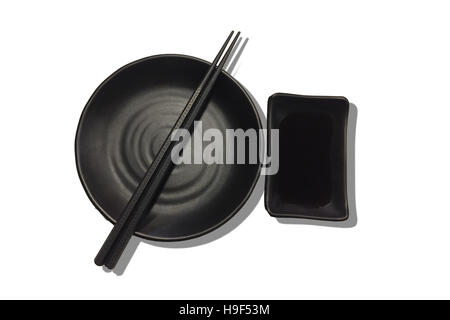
148,189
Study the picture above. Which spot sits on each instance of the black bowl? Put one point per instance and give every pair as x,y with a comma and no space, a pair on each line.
122,127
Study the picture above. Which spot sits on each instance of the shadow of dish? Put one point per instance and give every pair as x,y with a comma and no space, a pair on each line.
351,197
226,228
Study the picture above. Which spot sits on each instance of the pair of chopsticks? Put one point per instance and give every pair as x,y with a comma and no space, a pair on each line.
151,184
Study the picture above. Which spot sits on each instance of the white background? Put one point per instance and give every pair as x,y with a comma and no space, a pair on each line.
390,58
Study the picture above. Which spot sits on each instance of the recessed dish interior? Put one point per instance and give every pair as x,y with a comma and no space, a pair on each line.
311,181
123,126
305,176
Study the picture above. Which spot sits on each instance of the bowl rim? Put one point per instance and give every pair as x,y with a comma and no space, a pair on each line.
77,145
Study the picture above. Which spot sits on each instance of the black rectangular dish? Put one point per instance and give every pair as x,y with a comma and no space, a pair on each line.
312,178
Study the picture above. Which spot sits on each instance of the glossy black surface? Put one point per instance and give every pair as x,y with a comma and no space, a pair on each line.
311,181
125,122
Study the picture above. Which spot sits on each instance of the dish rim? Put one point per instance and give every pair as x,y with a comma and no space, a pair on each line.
267,193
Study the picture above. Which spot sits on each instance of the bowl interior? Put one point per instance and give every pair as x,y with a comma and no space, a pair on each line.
123,126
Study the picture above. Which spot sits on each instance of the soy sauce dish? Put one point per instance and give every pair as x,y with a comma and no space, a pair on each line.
312,178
